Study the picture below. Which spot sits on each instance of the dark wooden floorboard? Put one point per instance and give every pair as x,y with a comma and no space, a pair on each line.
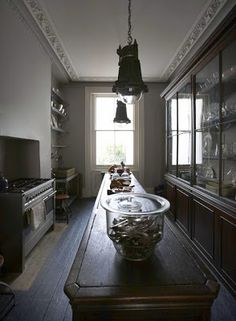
224,307
68,314
45,299
60,261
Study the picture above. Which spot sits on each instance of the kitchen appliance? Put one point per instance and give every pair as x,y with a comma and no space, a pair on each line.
135,223
27,212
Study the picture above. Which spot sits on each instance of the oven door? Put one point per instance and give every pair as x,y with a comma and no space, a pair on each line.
33,229
49,202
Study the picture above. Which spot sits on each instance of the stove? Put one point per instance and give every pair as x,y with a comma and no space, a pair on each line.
27,212
29,189
22,185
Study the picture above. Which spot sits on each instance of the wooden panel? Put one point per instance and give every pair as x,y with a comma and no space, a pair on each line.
183,210
228,249
203,228
171,196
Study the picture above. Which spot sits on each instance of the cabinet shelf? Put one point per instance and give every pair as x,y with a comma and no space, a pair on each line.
59,116
211,124
55,110
231,119
212,82
56,96
59,146
210,157
70,186
66,179
59,130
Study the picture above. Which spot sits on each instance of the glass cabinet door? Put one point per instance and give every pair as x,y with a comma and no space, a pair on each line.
172,135
207,103
201,124
228,113
184,132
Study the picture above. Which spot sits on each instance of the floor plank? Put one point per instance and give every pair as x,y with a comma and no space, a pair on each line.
45,299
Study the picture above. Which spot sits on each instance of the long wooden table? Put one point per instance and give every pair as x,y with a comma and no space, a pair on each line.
171,285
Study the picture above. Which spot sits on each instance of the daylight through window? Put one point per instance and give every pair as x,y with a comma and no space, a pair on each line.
114,142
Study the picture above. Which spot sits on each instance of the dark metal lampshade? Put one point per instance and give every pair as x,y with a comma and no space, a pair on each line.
121,113
129,85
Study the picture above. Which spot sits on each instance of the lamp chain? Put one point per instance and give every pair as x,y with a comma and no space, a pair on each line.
130,39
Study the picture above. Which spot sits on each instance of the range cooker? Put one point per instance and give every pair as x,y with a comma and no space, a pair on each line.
27,212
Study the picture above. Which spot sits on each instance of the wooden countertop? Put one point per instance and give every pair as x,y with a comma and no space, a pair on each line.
100,277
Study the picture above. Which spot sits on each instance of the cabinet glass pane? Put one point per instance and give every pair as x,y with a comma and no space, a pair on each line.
229,160
207,159
184,156
171,135
184,132
207,126
229,122
207,95
184,109
172,116
171,154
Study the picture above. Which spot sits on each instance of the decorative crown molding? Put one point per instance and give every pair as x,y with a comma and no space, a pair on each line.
43,23
201,25
39,16
41,19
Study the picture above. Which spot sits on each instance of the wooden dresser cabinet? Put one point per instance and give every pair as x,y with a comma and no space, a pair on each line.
201,151
210,226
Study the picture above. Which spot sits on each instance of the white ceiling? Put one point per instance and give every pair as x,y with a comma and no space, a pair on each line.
90,31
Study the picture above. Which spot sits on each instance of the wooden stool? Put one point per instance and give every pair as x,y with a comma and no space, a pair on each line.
62,200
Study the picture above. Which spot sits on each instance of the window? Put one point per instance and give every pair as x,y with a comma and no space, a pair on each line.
113,142
107,142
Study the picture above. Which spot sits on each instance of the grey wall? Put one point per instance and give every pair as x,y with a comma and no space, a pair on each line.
74,153
19,158
154,130
25,84
154,137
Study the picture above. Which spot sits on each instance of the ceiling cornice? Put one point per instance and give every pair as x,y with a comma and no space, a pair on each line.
42,21
47,29
31,13
194,35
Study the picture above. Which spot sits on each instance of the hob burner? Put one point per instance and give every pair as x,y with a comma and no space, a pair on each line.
24,184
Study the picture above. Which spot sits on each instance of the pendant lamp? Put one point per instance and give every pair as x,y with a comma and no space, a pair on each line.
129,86
121,113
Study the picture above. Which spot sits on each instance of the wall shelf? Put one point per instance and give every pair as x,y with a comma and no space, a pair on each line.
58,146
55,110
59,115
59,130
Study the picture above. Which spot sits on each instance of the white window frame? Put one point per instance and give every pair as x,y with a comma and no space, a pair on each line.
138,168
